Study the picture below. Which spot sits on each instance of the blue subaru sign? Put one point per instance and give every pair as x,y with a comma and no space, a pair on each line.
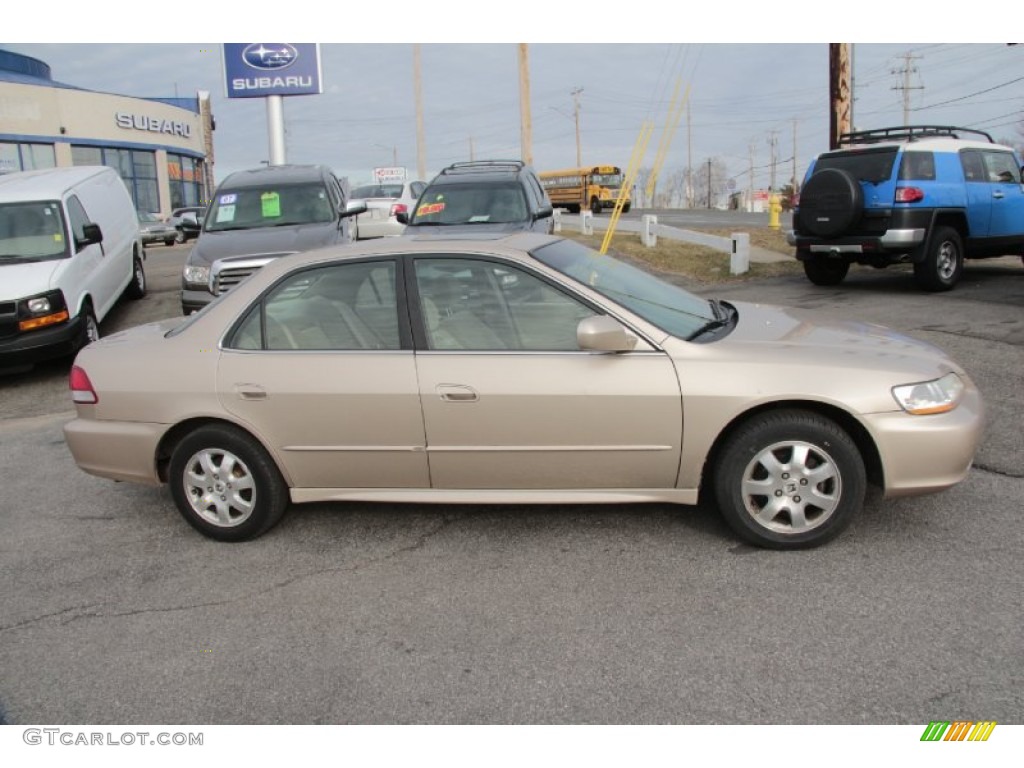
271,69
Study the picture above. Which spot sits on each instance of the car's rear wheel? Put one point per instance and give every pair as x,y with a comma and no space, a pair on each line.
943,263
821,270
225,484
789,479
137,287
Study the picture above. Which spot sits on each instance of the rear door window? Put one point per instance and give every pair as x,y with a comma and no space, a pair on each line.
873,165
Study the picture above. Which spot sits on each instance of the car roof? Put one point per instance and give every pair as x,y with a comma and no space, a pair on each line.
276,174
508,244
46,184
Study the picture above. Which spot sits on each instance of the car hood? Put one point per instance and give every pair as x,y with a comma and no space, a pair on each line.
787,335
265,240
19,281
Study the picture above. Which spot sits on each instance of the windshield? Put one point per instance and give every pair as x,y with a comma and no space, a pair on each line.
393,191
32,232
607,179
472,203
662,304
271,206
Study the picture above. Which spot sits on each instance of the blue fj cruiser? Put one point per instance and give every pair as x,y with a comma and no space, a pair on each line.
927,195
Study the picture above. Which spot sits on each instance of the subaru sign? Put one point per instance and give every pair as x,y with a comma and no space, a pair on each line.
271,69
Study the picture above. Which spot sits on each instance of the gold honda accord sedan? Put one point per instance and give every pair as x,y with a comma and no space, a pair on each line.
519,368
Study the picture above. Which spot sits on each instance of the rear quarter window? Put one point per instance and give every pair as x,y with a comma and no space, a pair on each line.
917,166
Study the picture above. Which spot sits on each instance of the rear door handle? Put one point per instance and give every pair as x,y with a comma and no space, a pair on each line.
250,392
457,393
998,195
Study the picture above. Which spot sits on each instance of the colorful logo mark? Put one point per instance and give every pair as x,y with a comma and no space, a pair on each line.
958,730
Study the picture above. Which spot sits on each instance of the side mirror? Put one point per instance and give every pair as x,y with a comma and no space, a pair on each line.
402,217
601,333
91,233
545,212
353,208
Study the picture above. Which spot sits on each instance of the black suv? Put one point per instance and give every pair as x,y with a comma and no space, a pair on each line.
482,196
926,195
260,215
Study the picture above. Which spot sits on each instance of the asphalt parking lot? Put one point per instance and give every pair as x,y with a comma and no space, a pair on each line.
115,611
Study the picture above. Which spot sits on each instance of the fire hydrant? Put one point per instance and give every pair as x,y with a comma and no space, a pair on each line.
774,209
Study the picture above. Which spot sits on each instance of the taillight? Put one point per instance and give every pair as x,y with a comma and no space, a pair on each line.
398,208
909,194
81,387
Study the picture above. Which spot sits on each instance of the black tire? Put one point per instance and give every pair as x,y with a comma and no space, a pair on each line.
811,473
831,203
625,208
169,241
943,262
179,237
595,206
246,507
822,270
573,208
137,285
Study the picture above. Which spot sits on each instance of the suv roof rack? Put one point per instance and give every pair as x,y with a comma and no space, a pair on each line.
908,133
484,165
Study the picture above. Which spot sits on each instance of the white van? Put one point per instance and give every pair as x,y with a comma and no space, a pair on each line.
69,247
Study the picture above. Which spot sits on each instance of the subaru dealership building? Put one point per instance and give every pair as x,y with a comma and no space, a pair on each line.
161,147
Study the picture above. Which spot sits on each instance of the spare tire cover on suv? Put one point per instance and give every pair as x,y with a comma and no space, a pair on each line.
831,202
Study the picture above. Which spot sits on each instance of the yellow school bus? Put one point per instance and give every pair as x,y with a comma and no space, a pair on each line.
596,187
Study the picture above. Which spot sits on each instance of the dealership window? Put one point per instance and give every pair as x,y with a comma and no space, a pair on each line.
186,177
25,157
136,167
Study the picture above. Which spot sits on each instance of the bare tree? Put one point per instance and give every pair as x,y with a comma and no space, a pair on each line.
710,182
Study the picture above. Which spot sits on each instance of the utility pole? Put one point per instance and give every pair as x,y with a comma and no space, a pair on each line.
840,103
750,181
709,183
773,141
421,144
796,181
525,125
576,113
908,70
689,160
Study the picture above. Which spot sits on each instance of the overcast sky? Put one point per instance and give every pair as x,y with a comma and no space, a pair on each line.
743,95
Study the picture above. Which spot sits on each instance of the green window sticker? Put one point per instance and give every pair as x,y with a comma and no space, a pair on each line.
271,205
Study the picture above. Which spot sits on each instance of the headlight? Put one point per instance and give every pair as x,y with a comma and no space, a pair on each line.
938,396
39,306
196,275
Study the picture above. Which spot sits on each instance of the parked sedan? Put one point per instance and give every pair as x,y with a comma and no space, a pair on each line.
153,229
384,203
521,368
188,222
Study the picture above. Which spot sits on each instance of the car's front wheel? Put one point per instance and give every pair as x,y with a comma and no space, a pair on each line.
789,479
225,484
137,286
821,270
943,262
595,207
179,237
